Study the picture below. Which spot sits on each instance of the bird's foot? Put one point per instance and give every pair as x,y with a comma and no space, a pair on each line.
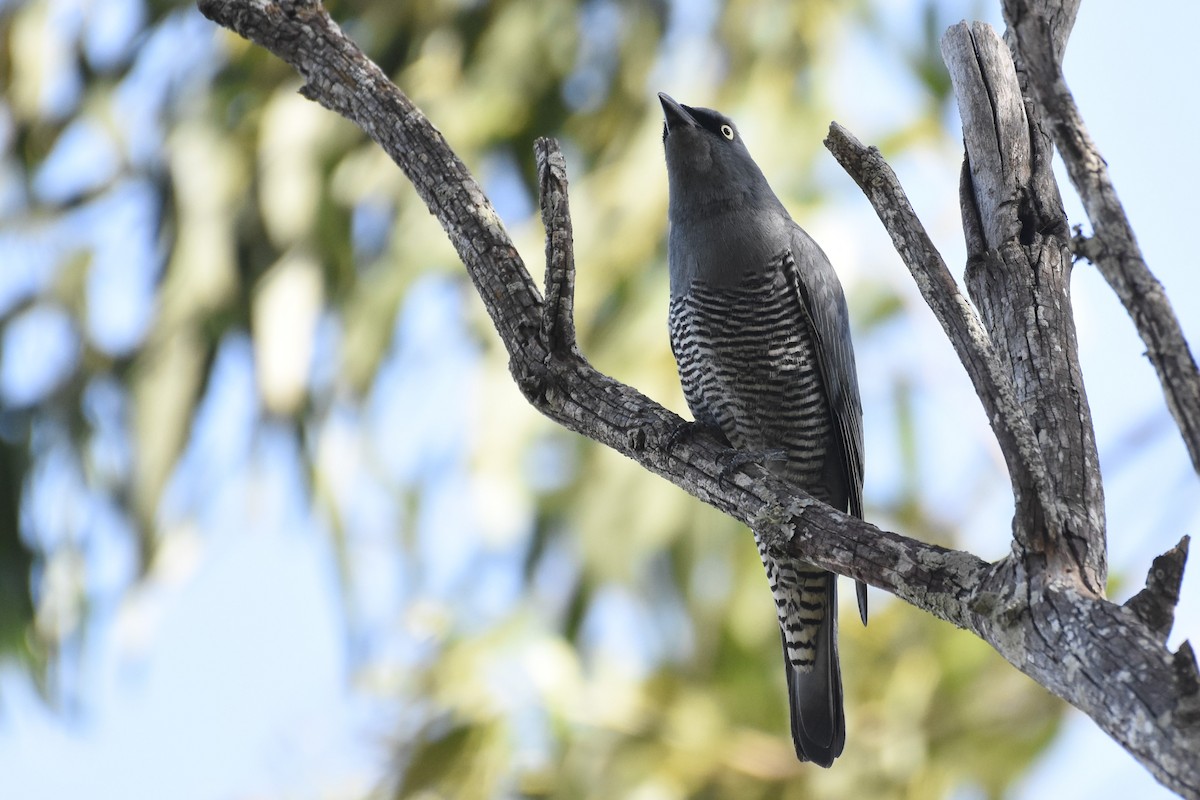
741,458
689,431
731,461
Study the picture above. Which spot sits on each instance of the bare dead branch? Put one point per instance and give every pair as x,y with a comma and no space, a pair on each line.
1037,36
1026,469
1093,653
1187,678
341,78
1059,17
558,315
1019,278
995,130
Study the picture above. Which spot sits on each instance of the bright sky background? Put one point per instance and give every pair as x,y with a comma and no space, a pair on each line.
222,678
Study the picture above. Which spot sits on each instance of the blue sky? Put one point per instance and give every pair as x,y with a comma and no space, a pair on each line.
219,678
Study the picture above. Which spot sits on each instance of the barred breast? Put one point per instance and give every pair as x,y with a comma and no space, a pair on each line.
747,362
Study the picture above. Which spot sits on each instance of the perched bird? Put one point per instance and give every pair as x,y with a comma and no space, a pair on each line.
761,337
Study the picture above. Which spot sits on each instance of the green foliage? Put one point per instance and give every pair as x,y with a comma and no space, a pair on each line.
259,194
16,561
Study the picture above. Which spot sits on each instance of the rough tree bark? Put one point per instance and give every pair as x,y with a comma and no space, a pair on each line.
1043,606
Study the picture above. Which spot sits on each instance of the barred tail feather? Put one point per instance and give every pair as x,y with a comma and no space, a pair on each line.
815,695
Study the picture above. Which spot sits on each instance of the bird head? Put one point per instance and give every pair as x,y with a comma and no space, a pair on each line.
708,165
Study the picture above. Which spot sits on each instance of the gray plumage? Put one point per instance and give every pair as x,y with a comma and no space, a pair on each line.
761,336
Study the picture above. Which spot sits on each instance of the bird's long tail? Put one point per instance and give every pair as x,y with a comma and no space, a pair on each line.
806,599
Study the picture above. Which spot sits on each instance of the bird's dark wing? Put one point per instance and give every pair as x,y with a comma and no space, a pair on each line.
808,269
825,306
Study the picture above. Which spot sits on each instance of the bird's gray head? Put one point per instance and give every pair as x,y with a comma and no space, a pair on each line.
709,169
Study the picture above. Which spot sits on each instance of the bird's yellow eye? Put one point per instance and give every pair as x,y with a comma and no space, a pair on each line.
727,132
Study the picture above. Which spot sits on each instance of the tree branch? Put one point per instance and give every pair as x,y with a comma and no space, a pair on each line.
1101,657
1155,604
1026,468
558,315
995,130
1038,42
1018,274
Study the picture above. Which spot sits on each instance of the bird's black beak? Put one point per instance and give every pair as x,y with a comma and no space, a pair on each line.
675,115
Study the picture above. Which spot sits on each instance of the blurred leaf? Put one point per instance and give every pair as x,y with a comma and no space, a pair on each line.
16,559
445,763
